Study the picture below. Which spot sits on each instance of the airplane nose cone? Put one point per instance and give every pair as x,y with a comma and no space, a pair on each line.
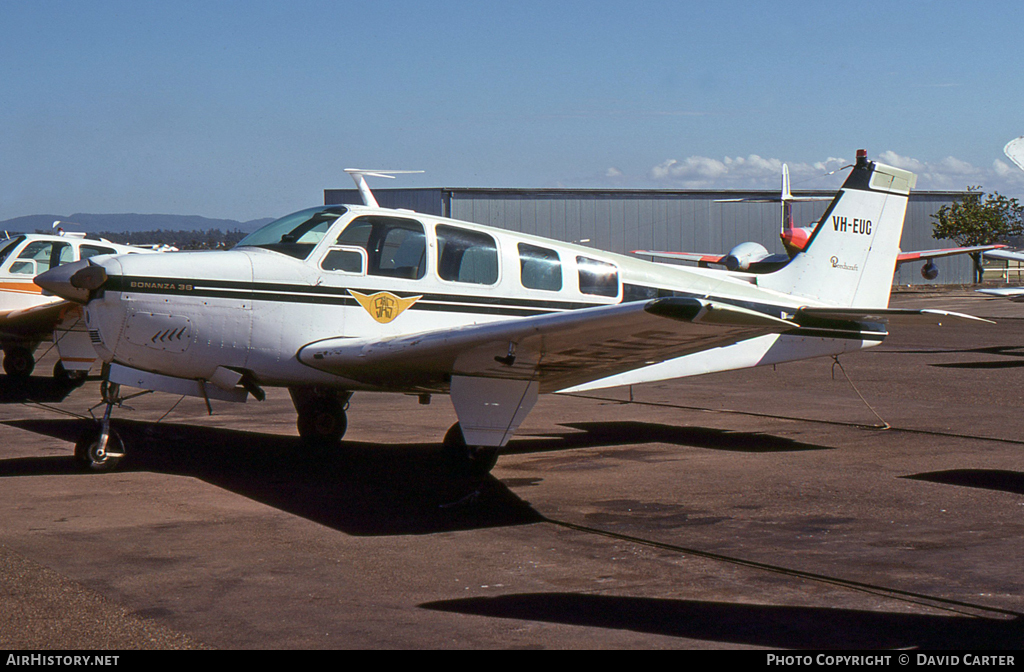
74,282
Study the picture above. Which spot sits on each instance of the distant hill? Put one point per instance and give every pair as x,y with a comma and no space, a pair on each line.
128,223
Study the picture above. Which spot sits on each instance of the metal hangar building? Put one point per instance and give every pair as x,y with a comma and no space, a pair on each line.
623,220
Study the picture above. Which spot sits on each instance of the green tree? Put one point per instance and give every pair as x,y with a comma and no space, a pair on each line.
973,221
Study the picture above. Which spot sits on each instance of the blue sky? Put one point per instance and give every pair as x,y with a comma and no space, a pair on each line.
250,109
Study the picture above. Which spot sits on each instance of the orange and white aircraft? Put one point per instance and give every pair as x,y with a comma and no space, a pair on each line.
754,258
28,316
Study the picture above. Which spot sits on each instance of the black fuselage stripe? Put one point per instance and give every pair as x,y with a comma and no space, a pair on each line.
321,294
286,293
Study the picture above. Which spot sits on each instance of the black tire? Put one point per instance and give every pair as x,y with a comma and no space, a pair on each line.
62,375
466,459
322,427
19,362
87,451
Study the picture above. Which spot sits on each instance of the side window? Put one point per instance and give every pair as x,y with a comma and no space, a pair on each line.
539,268
87,251
466,256
345,259
395,247
598,277
39,257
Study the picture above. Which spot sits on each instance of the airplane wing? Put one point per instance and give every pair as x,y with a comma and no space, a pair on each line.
1008,255
29,322
684,256
989,250
1015,294
556,350
946,252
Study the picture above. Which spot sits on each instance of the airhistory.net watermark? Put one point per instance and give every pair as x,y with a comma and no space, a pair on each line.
50,660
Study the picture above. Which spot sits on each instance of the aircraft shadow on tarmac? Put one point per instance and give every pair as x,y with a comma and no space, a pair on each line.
358,488
777,627
35,388
595,434
1006,351
361,488
988,479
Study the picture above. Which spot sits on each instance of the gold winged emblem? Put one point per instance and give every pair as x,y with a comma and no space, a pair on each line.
383,306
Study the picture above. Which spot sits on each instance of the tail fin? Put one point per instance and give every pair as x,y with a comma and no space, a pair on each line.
850,257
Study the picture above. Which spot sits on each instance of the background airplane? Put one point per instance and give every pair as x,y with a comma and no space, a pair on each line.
753,257
344,298
28,317
1014,151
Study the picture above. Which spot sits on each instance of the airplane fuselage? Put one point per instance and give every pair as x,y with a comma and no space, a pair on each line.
253,308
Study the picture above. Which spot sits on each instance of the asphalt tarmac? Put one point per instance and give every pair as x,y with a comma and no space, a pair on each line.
877,502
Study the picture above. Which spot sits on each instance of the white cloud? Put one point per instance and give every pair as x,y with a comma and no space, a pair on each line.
756,172
740,172
1002,169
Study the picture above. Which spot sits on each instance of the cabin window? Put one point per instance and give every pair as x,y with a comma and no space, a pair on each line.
345,259
395,247
598,277
539,268
466,256
41,256
87,251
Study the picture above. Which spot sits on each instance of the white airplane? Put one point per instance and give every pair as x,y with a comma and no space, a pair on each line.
27,316
754,258
343,298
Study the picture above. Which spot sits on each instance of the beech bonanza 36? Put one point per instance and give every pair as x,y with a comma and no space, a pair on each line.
27,317
337,299
754,258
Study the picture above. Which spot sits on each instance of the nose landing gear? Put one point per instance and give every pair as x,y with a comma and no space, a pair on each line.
100,448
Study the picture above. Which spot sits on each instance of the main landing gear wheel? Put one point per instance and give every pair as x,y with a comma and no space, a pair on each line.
62,375
322,426
93,453
18,362
321,420
472,460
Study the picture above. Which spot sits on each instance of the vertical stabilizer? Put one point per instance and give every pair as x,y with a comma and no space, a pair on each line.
850,257
1014,151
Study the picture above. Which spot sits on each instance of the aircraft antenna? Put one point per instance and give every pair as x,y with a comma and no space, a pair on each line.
359,175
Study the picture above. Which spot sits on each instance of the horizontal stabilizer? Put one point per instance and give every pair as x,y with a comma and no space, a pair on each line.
889,315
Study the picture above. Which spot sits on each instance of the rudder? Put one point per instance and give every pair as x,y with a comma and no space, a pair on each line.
850,257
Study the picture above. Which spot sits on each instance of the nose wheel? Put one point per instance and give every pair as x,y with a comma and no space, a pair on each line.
95,451
99,448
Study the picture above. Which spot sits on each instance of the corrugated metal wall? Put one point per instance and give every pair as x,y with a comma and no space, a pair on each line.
689,221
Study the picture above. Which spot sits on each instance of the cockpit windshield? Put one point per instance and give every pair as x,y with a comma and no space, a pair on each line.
7,246
296,234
